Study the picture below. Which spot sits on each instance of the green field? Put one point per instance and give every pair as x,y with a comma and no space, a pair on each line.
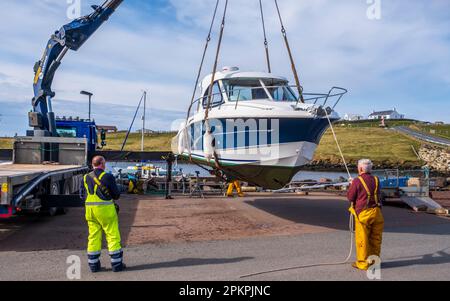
152,142
6,143
383,146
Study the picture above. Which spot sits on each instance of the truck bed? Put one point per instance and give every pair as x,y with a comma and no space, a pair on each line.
17,174
13,170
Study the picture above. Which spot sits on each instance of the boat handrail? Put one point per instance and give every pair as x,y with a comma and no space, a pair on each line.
310,98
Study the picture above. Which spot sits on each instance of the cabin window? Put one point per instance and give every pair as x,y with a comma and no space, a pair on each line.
216,98
67,132
282,93
244,89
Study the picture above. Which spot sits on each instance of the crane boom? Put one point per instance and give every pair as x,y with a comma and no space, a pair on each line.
70,37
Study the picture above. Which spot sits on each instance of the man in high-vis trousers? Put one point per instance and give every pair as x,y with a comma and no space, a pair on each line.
99,192
364,194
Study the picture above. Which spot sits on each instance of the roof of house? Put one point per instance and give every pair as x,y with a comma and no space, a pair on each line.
107,127
383,113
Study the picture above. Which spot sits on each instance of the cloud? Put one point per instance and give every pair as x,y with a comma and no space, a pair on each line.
401,60
15,119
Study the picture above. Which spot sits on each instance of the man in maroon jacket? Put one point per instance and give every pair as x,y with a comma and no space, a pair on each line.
364,194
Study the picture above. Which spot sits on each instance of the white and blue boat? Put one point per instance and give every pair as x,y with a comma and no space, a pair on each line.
260,131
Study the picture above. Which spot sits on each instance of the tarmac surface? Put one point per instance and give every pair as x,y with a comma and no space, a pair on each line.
423,136
220,239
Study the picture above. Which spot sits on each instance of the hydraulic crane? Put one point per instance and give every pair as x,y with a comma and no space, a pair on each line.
70,37
29,183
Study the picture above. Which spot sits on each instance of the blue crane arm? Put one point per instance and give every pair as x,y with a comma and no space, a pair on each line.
70,37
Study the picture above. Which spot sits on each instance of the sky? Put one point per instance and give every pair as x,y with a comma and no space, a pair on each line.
387,53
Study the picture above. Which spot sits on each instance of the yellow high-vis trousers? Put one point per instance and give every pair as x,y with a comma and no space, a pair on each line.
101,216
232,186
369,225
101,219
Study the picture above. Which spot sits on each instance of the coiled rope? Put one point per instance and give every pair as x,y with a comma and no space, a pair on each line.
350,226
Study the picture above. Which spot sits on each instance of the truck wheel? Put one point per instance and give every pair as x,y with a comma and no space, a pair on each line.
66,191
54,190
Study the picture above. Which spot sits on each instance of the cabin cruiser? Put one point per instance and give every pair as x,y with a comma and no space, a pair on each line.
253,127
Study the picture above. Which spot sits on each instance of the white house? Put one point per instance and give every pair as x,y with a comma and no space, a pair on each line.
353,117
392,114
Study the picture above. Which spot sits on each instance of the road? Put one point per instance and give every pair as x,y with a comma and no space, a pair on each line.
416,246
423,136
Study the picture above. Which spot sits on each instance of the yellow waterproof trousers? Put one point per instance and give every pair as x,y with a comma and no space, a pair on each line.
369,225
101,216
237,185
101,219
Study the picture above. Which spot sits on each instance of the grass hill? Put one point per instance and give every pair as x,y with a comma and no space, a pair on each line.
357,139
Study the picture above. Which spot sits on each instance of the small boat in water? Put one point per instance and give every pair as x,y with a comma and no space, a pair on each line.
253,127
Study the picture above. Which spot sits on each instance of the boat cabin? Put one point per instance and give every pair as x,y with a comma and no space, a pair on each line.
232,85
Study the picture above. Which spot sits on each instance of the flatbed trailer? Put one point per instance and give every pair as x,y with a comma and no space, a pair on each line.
31,184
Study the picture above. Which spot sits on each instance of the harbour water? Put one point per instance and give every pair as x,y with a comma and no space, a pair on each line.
190,169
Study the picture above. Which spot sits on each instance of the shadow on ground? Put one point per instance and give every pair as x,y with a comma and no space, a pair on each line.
439,257
188,262
333,213
64,232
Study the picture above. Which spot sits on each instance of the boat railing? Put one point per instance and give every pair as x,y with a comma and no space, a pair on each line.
319,99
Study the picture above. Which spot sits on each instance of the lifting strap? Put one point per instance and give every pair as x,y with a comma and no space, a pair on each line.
205,50
213,78
294,69
369,194
216,61
266,43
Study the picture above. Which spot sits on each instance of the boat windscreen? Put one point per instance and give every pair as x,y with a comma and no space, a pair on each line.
244,89
282,93
251,89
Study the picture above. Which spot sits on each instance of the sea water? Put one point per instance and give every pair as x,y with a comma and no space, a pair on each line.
190,169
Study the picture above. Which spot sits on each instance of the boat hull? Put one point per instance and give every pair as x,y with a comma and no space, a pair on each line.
263,152
270,167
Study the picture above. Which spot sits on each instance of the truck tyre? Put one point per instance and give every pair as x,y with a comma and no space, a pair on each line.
66,191
54,190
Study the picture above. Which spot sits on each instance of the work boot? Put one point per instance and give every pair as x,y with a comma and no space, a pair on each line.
95,268
94,262
120,268
117,261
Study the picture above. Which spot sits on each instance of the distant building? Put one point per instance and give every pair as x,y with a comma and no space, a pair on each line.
107,128
392,114
353,117
146,131
439,123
